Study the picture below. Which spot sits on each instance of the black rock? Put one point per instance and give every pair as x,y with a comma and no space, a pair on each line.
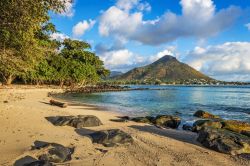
111,137
118,120
124,117
167,121
188,127
246,133
76,121
147,119
30,161
224,141
53,152
199,124
205,115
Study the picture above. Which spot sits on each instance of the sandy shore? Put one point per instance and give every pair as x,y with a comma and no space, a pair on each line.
22,121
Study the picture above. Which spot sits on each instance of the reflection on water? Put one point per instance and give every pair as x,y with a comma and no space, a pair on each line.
227,102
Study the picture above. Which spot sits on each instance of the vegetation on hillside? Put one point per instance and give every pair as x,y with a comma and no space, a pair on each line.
28,54
166,69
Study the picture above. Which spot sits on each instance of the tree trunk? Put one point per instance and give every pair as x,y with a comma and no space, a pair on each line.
58,103
8,80
61,84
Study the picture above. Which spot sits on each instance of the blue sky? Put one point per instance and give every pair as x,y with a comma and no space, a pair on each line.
213,36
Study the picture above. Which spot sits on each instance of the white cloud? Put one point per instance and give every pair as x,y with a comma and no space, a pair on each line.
81,27
144,7
170,50
69,8
58,36
227,61
126,4
248,26
199,19
119,22
121,59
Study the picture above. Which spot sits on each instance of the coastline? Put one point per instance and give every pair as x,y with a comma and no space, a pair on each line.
22,121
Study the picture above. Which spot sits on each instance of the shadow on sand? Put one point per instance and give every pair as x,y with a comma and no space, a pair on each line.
180,135
84,132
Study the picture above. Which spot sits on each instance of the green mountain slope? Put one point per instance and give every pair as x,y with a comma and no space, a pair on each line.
167,68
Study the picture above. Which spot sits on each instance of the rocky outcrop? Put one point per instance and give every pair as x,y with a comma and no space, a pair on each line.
167,121
147,119
75,121
224,141
205,115
53,152
187,126
199,124
111,137
99,88
121,119
246,133
47,153
237,126
30,161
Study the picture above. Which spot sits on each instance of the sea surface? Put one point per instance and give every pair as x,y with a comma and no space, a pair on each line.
229,102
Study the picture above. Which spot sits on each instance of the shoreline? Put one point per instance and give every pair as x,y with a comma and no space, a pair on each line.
22,121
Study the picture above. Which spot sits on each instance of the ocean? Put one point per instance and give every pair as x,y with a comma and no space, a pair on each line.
229,102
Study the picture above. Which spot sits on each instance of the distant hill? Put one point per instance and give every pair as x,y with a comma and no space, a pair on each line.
115,74
167,68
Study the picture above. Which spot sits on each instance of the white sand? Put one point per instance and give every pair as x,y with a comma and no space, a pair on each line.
22,121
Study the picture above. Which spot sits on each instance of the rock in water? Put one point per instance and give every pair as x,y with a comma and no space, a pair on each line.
224,141
246,133
53,152
237,126
187,126
199,124
205,115
76,121
147,119
167,121
111,137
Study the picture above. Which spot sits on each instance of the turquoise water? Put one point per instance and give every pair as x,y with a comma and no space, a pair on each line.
228,102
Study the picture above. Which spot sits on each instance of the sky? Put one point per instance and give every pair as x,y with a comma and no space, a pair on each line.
212,36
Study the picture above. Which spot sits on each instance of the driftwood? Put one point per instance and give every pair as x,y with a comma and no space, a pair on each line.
58,103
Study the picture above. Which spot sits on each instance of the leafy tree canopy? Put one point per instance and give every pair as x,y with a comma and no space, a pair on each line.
20,42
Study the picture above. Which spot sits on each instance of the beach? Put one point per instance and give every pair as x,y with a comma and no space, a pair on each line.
23,113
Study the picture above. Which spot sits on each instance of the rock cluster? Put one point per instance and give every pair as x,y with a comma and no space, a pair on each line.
165,121
224,141
48,153
79,121
225,136
205,115
99,88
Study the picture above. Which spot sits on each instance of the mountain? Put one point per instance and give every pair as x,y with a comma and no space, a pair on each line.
115,74
167,68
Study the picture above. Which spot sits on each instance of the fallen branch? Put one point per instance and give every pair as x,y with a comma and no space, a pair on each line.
59,104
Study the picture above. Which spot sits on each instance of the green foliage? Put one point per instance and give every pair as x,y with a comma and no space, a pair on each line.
20,47
83,66
27,52
71,66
